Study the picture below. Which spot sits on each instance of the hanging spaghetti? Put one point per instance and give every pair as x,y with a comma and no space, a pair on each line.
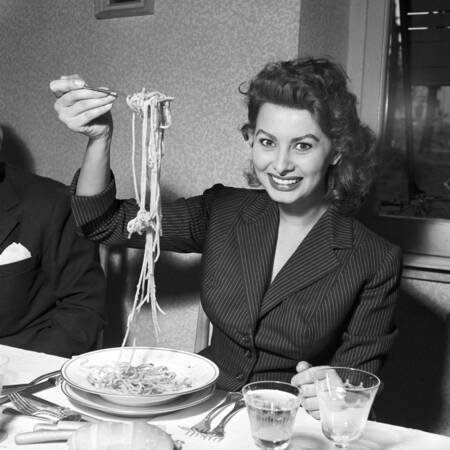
153,108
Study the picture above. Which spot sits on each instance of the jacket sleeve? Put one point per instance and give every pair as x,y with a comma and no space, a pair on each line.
371,331
103,218
72,267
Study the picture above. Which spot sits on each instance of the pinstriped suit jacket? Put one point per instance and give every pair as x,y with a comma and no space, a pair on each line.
332,302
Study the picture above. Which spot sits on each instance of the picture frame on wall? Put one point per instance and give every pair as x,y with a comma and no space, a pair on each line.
110,9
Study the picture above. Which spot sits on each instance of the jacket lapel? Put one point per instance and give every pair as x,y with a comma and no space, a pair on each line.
314,258
256,239
8,200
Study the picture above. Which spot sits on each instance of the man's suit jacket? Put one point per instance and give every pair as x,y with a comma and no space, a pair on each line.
332,302
52,302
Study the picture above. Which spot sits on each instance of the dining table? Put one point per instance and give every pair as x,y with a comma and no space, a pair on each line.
25,365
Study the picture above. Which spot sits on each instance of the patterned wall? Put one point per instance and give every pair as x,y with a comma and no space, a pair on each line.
199,51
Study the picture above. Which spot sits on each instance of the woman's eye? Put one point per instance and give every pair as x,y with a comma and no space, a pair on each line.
266,142
302,146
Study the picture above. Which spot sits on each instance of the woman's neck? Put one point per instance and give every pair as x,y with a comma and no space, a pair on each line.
291,216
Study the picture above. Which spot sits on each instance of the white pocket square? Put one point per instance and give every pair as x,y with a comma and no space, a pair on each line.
13,253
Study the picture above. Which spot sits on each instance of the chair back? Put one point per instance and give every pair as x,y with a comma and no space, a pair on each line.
177,278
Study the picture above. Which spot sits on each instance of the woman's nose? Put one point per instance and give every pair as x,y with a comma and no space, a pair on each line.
282,162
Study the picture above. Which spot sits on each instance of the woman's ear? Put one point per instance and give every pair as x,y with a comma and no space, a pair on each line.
337,157
247,134
250,137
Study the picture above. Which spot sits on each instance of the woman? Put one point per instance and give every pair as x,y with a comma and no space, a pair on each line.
291,280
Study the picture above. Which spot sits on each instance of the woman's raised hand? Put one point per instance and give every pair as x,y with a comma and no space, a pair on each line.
83,110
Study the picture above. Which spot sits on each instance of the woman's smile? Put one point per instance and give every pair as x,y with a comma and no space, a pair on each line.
284,184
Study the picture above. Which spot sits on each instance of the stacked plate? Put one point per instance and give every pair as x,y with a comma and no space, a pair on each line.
200,372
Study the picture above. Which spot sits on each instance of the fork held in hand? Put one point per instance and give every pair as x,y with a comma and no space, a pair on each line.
204,426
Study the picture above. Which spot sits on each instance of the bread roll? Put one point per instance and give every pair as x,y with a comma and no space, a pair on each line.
133,435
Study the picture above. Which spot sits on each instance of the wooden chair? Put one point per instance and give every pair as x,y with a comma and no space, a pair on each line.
203,330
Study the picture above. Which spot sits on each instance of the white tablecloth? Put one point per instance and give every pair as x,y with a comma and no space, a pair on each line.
25,365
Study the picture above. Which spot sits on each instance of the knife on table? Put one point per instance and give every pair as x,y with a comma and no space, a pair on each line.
47,384
10,388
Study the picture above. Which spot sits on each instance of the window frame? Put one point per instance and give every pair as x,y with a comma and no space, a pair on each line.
425,241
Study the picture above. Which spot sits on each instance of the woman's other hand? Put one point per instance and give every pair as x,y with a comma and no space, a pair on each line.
304,380
83,110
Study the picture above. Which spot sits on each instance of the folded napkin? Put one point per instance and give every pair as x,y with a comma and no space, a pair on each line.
13,253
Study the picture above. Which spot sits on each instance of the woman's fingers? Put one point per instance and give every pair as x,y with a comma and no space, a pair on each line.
311,404
306,376
308,390
68,106
80,109
65,84
302,366
85,120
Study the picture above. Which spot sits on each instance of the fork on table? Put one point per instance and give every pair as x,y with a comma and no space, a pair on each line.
204,426
27,407
218,432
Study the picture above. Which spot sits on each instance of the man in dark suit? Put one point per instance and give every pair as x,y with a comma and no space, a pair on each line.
52,288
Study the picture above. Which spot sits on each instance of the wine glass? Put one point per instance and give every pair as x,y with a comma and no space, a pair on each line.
345,397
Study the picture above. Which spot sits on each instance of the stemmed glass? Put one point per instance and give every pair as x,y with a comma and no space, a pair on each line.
345,398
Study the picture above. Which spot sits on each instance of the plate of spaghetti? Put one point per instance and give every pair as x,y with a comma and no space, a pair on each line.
139,376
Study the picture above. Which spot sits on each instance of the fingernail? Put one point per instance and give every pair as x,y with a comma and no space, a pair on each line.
80,83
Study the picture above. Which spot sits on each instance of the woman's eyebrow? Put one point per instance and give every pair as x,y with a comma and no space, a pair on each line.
299,138
309,135
271,136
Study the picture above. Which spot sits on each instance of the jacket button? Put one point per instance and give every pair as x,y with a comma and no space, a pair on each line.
246,339
248,354
240,376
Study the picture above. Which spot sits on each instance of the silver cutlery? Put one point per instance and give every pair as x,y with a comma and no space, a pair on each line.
43,385
102,90
10,388
218,432
15,412
72,414
204,426
44,408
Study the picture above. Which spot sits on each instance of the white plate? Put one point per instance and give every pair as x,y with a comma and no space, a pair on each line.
95,402
200,371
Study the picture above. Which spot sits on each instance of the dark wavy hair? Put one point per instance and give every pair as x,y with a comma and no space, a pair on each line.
320,86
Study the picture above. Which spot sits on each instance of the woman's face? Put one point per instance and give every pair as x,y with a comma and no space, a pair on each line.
291,155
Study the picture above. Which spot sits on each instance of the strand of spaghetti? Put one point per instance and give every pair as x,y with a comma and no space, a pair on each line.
153,109
133,155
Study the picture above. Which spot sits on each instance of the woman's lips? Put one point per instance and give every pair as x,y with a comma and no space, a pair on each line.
284,184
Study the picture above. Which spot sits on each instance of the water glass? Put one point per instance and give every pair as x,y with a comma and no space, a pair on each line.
272,407
345,397
3,367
